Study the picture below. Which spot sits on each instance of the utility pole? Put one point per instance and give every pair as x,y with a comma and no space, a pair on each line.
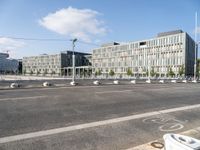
195,48
73,62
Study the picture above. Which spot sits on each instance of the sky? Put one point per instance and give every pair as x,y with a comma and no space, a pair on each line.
92,22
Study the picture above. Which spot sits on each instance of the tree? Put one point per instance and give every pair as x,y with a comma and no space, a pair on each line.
152,73
129,72
170,72
181,70
38,72
62,72
111,73
45,72
31,72
53,72
24,71
98,73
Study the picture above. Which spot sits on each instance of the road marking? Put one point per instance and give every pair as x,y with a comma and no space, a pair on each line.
21,98
121,91
90,125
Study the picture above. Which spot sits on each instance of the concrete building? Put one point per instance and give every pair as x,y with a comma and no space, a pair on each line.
168,52
58,64
8,65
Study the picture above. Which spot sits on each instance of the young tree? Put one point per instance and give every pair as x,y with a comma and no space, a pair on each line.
152,73
170,72
181,70
62,72
111,73
24,71
31,72
45,72
38,72
98,73
52,72
129,72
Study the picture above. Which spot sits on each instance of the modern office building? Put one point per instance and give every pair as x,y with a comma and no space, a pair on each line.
8,65
58,64
169,51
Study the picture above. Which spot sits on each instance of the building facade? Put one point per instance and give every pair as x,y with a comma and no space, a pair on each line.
8,65
169,51
53,64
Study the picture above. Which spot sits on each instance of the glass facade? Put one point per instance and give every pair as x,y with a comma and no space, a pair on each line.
160,54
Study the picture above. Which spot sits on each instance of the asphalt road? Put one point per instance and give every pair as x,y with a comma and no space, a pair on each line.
95,117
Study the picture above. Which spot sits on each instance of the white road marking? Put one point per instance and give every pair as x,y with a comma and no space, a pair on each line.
90,125
121,91
21,98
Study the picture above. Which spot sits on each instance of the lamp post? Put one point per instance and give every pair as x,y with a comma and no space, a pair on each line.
195,50
73,62
149,71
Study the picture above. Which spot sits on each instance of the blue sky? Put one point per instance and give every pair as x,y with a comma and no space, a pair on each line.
90,21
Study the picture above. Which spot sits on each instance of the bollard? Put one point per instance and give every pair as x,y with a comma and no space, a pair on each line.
45,84
148,81
194,81
173,81
133,81
14,85
96,82
180,142
73,83
185,81
115,82
161,81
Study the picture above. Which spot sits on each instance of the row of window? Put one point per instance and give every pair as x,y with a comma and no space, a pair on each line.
175,40
141,62
163,69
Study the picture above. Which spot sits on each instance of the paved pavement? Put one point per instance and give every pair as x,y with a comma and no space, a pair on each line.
95,117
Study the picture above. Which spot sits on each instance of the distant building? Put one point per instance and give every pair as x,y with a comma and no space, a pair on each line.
58,64
169,51
8,65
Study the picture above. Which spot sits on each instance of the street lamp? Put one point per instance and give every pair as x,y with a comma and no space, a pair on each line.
195,48
149,71
73,62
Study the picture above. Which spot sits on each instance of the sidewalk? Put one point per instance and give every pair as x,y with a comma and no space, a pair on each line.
195,133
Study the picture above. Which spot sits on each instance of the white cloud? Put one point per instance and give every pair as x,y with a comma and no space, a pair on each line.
80,23
10,45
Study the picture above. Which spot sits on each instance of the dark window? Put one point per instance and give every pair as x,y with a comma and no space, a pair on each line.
143,43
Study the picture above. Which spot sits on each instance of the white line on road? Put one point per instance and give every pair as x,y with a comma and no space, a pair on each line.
90,125
21,98
121,91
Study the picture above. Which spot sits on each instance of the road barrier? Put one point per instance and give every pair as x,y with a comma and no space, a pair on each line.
185,81
15,85
173,81
133,81
148,81
46,84
180,142
161,81
116,82
73,83
96,82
